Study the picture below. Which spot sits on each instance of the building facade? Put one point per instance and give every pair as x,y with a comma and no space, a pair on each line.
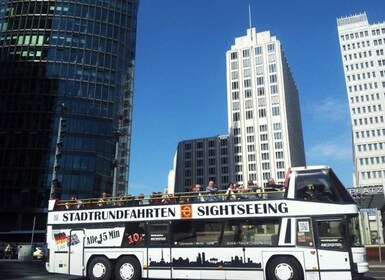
66,88
264,121
362,50
264,118
201,160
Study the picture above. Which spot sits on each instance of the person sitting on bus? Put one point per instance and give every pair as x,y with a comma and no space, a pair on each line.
270,186
196,195
121,201
156,198
253,190
242,193
75,203
232,188
212,190
139,200
102,202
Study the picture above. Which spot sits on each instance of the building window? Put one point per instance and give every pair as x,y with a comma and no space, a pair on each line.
248,93
274,89
259,81
261,91
275,111
271,48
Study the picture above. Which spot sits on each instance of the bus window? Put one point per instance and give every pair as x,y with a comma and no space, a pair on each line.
330,234
197,233
134,234
158,234
251,232
315,187
184,233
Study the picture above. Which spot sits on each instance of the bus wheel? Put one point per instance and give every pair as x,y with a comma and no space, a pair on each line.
99,269
127,268
284,268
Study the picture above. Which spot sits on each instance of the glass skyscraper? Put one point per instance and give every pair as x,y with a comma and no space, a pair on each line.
66,88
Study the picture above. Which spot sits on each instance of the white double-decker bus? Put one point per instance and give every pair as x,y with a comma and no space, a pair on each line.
307,231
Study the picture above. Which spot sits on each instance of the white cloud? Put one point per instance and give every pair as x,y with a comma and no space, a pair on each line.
337,149
330,109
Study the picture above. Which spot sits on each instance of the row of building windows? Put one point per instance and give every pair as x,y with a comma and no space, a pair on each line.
362,76
373,174
260,92
365,86
257,51
210,143
259,71
357,66
372,160
355,35
359,45
370,133
371,147
259,60
370,120
367,97
367,109
361,34
377,42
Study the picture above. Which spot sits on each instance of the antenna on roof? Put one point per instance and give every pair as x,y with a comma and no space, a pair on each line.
251,33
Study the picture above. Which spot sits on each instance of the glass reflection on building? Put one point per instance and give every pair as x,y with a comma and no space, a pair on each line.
78,55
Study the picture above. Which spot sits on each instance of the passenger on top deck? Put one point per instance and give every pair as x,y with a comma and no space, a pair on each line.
253,190
232,188
196,195
212,190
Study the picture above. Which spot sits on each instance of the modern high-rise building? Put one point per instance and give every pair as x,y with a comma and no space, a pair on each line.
66,89
264,121
362,50
264,117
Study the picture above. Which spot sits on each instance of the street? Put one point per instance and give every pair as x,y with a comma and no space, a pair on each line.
28,270
24,270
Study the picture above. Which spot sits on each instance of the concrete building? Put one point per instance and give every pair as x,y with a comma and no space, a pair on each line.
264,121
264,118
363,56
198,161
66,89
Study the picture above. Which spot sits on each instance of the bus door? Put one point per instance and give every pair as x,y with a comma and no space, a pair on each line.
76,252
159,251
333,255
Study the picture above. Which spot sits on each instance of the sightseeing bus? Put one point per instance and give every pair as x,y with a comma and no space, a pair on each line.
308,229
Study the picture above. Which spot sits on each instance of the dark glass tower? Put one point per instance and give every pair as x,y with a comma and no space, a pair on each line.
66,88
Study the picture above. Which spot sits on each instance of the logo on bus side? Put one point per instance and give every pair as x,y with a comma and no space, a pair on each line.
186,211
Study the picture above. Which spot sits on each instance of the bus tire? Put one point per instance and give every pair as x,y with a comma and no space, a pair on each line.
127,268
99,269
284,268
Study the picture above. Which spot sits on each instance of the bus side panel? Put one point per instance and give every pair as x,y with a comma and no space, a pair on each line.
334,265
233,263
60,262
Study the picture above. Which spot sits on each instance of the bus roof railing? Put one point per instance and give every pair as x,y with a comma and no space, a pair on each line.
165,198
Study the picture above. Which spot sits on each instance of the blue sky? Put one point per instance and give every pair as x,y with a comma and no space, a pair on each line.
180,76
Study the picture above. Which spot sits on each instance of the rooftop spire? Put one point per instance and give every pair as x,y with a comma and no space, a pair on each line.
251,33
